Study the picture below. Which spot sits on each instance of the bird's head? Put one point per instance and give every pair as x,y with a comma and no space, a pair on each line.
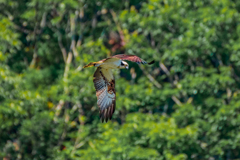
124,65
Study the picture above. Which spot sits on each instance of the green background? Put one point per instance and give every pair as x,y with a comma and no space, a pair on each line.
184,106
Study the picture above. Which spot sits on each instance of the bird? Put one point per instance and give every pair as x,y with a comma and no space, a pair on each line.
104,81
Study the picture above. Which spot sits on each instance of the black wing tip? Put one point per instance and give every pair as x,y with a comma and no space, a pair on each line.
104,119
151,62
106,114
103,116
144,62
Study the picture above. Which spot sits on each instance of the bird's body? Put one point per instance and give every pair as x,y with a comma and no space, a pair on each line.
105,84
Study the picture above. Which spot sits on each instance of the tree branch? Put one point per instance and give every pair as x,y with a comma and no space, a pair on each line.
64,52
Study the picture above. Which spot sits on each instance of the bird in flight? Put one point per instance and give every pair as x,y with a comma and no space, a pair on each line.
104,82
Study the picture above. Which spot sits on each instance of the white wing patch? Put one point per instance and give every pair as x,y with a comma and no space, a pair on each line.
111,63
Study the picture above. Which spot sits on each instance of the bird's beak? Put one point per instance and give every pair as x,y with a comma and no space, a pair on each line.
126,67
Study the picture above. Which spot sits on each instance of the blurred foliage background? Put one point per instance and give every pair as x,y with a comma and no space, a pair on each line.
185,106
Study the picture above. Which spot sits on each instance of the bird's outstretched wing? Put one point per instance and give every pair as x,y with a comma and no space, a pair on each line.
132,58
105,91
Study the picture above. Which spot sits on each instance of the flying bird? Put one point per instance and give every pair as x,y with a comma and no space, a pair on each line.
104,82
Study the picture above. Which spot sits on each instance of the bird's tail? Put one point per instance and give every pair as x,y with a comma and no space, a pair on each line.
92,64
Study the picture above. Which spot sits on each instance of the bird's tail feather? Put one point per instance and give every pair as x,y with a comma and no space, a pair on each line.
92,64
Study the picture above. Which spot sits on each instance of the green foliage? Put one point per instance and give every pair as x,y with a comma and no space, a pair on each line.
185,106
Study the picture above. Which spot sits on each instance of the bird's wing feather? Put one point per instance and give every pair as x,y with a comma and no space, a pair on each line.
132,58
105,91
110,60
